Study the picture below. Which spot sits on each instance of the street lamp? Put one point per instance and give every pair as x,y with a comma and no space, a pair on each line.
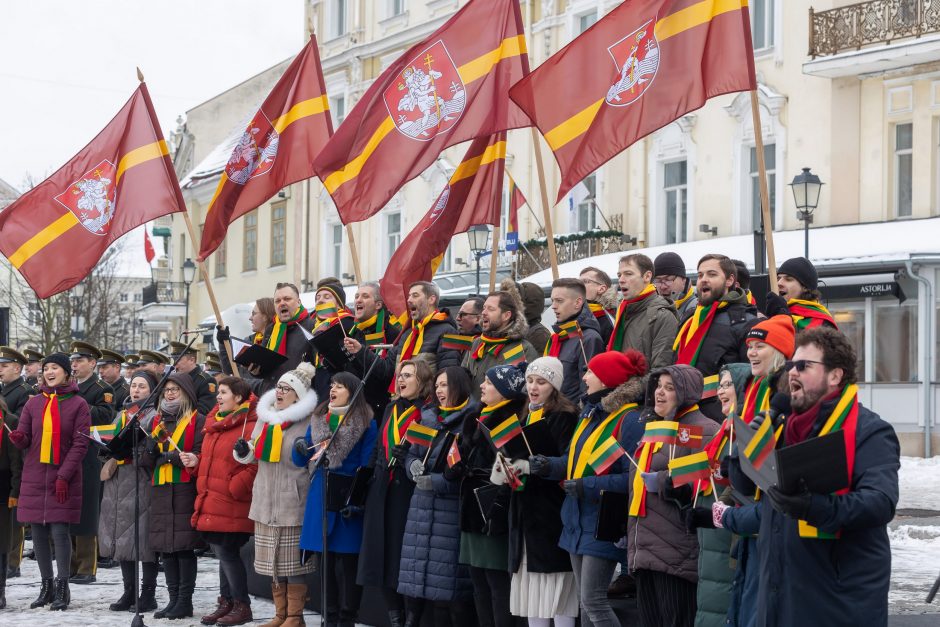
806,187
189,273
478,235
78,290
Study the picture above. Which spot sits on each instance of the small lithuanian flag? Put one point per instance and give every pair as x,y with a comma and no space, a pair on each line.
455,342
664,431
418,434
689,468
605,455
505,431
758,449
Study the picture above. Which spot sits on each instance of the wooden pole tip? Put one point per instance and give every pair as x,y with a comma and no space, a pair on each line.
140,75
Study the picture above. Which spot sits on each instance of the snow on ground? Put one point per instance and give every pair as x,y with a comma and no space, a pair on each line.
920,484
915,564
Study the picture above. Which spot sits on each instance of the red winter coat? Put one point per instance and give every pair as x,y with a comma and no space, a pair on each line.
37,502
223,486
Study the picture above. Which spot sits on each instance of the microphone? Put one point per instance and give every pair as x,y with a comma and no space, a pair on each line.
382,347
195,331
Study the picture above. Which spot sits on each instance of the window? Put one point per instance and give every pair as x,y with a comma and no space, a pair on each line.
585,21
675,185
850,316
895,341
770,162
334,250
585,214
396,7
392,234
221,259
182,251
762,24
250,242
278,234
903,172
338,18
138,297
338,109
123,297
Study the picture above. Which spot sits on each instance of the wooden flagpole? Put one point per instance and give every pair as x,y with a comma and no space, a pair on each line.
764,194
546,208
215,305
355,255
495,254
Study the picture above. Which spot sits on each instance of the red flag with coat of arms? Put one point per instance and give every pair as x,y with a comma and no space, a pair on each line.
55,233
276,149
644,65
449,88
472,197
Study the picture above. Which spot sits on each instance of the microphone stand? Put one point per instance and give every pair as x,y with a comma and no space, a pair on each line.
138,620
320,463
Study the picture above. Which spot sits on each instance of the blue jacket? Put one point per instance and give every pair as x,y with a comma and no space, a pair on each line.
843,581
344,534
745,522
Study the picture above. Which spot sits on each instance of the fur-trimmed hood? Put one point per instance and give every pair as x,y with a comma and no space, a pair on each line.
518,328
301,410
631,391
347,435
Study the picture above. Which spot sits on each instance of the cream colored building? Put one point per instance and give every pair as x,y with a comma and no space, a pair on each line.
851,90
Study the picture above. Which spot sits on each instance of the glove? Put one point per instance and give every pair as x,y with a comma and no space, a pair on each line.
222,334
11,502
423,482
573,488
651,481
19,439
416,468
498,475
301,447
61,491
776,305
718,510
758,420
696,517
520,466
399,452
681,495
455,472
793,505
724,468
350,510
152,447
241,448
540,466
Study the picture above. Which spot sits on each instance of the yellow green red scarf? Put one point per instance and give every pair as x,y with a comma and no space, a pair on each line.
278,340
756,399
681,301
51,442
184,437
393,433
444,412
269,442
609,427
620,324
488,346
808,314
690,337
415,339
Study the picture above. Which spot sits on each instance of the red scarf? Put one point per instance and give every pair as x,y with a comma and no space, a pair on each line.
692,334
277,342
808,314
620,324
489,345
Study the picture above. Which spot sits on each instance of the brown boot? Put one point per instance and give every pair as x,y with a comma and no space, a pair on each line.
296,599
224,607
239,615
279,596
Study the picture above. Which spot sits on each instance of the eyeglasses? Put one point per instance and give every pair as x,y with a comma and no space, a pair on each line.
405,375
464,314
799,364
726,385
171,390
283,388
597,283
664,280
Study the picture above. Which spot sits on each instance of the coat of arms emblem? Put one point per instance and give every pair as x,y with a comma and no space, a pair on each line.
438,210
636,57
91,198
428,97
255,151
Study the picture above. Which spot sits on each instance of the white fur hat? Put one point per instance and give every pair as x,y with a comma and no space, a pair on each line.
549,368
299,379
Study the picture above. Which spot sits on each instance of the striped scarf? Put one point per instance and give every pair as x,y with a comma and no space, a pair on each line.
620,324
241,409
681,301
808,314
278,340
487,411
608,428
488,346
444,412
756,399
374,329
51,442
415,340
692,334
184,437
269,442
393,433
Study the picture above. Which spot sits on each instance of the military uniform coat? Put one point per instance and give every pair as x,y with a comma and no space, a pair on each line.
99,396
122,390
11,469
205,390
16,394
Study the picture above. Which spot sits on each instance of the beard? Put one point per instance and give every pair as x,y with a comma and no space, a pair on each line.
713,295
806,400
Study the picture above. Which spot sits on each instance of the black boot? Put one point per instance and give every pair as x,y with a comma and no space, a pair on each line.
45,594
184,601
62,595
171,572
147,601
3,581
396,618
127,599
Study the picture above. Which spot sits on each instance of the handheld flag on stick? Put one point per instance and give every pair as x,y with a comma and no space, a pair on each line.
420,435
605,455
505,431
764,441
689,436
453,455
663,431
689,468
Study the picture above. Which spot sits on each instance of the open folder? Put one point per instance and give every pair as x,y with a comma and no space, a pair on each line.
246,354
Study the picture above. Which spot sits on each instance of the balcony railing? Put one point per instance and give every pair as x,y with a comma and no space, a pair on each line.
855,26
163,292
535,255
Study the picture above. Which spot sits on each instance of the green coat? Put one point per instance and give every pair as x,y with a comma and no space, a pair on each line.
715,574
515,332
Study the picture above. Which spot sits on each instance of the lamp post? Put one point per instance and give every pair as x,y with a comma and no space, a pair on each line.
478,235
806,187
189,273
78,290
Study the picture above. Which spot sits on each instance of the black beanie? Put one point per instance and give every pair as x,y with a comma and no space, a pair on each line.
333,285
59,359
801,269
668,264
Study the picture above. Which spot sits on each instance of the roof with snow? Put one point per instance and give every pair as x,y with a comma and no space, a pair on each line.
849,248
8,194
213,163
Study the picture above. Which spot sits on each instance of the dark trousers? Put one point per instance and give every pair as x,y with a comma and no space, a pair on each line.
148,572
664,600
59,534
454,613
343,593
491,596
233,578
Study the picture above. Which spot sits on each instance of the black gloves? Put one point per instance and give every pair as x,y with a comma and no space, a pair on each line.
241,448
540,466
776,305
681,495
572,487
794,505
399,452
696,517
350,510
455,472
152,447
301,447
222,334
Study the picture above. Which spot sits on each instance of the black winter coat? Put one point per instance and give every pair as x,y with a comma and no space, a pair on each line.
16,394
386,512
99,396
376,390
298,349
572,359
843,581
535,512
436,355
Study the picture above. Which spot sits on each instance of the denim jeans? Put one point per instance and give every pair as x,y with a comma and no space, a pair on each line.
593,576
233,579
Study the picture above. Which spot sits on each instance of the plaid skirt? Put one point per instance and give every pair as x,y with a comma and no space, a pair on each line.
277,552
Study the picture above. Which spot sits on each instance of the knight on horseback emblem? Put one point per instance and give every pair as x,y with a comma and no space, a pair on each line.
636,58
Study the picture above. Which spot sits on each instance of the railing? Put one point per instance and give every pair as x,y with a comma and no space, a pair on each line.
163,292
534,256
867,23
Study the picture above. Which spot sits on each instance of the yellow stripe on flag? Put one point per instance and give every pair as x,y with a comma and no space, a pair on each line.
482,65
301,110
223,179
352,169
140,155
667,27
43,238
470,167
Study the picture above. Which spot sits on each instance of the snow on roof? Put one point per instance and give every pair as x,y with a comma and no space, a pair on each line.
872,242
8,194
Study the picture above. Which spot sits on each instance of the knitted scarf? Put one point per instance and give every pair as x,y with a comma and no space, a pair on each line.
415,340
692,334
393,432
184,437
51,442
444,412
278,340
756,398
620,324
566,331
608,428
681,301
808,314
488,346
374,330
